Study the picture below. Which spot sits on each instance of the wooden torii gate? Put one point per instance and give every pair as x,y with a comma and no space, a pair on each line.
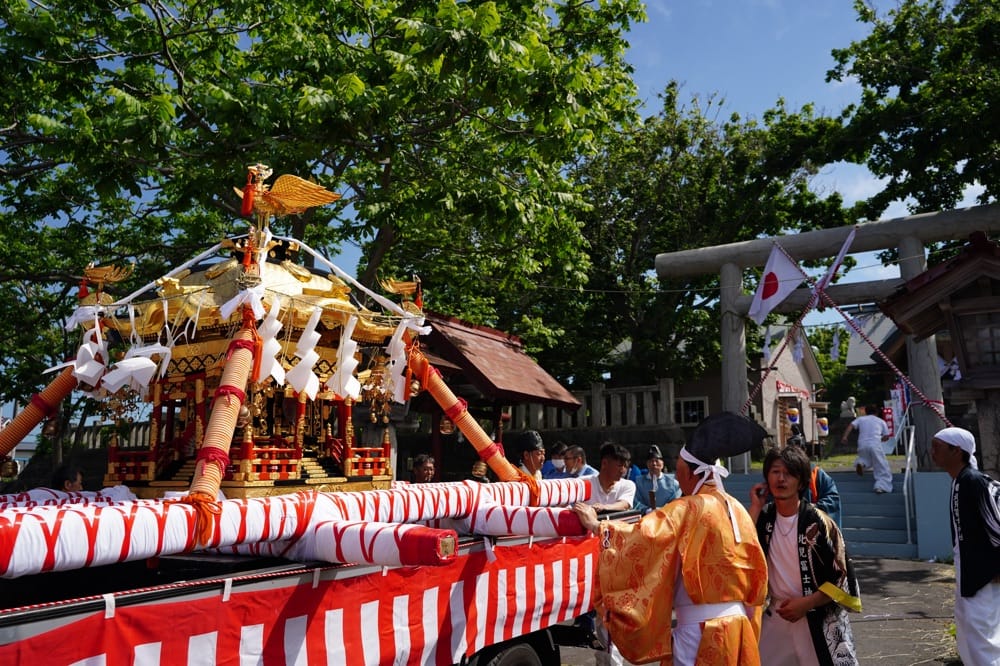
907,234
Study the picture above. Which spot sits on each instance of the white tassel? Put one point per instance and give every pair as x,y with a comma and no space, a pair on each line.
254,297
136,370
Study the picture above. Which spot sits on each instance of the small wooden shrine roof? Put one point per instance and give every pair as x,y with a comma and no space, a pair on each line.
965,283
495,363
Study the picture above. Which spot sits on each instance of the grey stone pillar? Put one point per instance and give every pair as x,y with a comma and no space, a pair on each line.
734,350
922,360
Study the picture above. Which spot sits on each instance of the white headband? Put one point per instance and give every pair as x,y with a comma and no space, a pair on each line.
705,470
717,473
961,438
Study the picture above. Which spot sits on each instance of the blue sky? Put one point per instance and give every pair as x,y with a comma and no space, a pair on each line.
751,53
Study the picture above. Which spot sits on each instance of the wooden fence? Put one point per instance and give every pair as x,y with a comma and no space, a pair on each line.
602,407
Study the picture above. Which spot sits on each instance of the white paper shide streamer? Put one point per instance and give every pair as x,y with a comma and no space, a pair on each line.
397,364
343,382
301,377
135,370
798,345
89,364
270,364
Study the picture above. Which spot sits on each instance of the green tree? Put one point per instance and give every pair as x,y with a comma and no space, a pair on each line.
682,179
447,126
930,78
839,381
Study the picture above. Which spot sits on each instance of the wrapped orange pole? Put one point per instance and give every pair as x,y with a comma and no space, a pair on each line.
213,456
42,405
455,409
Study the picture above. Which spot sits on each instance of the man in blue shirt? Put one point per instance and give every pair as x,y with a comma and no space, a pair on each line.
576,463
555,466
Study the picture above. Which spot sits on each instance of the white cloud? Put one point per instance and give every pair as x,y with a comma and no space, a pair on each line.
855,183
852,181
655,8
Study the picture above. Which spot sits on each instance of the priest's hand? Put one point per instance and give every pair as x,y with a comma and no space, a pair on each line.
587,516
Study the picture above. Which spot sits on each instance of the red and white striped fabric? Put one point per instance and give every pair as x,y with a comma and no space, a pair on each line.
496,520
457,508
50,497
58,538
552,492
391,544
420,615
405,504
429,501
387,544
36,538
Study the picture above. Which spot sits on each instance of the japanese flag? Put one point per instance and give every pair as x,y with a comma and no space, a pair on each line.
781,277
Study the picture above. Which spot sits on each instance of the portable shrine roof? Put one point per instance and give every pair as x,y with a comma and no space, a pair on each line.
495,363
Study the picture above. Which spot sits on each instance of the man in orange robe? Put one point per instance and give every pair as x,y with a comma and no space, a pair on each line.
697,556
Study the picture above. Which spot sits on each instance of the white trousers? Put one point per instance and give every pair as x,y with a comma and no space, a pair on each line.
977,624
611,656
873,458
784,643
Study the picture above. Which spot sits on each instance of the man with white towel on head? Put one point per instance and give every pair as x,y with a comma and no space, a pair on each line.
974,507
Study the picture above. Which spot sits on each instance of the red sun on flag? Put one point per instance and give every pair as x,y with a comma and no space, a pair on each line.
770,285
781,276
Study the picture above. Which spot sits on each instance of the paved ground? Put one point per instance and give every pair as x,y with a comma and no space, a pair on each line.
908,610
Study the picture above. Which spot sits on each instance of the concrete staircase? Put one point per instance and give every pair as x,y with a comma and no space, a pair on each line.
874,525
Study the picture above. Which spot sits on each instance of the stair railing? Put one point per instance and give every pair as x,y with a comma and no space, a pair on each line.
908,434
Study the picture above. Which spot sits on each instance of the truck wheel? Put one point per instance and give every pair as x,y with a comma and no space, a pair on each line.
520,654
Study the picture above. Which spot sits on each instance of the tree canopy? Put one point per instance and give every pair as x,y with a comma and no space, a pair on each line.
491,147
448,127
681,179
930,78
